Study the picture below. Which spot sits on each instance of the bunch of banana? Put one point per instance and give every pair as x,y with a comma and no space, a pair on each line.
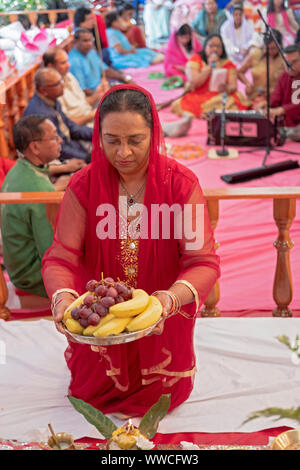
139,312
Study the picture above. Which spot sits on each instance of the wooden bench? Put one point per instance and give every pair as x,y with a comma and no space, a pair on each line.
284,211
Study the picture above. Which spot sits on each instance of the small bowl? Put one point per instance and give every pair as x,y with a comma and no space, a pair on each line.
65,440
288,440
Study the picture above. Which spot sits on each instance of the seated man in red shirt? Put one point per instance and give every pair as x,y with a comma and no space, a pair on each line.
285,100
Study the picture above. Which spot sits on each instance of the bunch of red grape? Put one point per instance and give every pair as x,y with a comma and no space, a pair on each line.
103,295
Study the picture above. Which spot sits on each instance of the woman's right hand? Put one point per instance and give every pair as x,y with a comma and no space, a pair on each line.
62,301
212,59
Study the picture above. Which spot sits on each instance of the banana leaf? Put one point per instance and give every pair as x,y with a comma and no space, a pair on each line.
290,413
285,340
103,424
150,421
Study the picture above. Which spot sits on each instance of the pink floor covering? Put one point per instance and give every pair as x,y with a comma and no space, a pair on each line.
246,229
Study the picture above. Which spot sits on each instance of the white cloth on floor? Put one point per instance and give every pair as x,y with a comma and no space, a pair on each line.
242,368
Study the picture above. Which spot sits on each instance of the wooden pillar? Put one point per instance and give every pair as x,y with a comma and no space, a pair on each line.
52,15
284,211
4,311
11,114
210,309
30,84
4,152
21,89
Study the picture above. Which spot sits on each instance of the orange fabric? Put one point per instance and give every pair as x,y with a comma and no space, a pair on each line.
193,101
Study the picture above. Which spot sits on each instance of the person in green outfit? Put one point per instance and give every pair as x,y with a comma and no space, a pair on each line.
26,231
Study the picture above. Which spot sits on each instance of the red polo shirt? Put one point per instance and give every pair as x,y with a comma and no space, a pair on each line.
282,96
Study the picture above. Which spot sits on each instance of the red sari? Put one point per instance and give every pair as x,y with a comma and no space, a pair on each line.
129,378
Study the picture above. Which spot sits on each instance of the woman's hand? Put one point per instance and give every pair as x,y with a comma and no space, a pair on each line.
166,303
62,301
212,59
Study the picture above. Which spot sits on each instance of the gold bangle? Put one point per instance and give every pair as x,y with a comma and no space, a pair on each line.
175,301
60,291
194,291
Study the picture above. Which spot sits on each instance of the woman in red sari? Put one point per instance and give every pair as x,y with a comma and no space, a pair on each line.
200,69
128,160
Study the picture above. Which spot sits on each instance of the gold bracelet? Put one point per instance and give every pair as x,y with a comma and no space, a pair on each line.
175,301
60,291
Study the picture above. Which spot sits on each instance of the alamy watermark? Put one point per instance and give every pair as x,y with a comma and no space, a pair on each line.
296,93
163,221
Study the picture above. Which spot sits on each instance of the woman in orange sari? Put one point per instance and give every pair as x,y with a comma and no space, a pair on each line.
200,70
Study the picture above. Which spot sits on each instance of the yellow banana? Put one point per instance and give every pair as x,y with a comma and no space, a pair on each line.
148,317
77,303
112,327
74,326
131,307
90,330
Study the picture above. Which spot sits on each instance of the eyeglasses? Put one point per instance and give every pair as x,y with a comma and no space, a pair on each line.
54,84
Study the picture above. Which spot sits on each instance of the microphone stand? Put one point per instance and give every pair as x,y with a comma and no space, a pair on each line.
265,170
223,152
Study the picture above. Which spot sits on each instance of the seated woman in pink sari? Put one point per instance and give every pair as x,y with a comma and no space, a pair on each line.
182,44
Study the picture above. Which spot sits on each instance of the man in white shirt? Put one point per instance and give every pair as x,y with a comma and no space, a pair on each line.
237,34
75,104
81,108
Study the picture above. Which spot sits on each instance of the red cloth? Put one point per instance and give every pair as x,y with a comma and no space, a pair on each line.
102,30
135,36
259,438
175,55
5,166
129,378
282,96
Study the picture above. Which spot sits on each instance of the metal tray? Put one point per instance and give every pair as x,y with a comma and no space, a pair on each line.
112,339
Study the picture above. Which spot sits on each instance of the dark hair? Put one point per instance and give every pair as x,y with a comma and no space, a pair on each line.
80,14
80,31
184,30
111,17
50,54
297,38
126,100
271,7
125,7
278,36
209,37
238,6
292,48
28,129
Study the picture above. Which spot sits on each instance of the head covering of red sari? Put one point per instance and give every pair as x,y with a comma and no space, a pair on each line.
102,187
158,268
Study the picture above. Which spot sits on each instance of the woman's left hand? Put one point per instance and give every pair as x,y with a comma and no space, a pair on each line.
166,302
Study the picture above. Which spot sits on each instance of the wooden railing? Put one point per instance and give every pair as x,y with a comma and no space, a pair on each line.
284,211
18,88
33,15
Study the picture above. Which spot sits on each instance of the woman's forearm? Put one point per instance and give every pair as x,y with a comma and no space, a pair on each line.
197,79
